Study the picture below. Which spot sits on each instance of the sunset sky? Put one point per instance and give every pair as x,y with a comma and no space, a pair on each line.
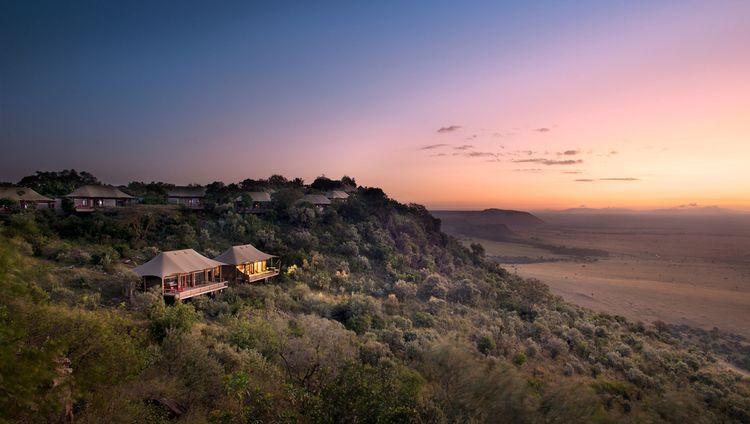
450,104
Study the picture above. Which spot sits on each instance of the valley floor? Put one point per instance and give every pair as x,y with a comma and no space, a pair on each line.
697,278
650,291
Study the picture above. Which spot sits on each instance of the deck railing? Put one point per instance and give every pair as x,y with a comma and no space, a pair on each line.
268,273
188,292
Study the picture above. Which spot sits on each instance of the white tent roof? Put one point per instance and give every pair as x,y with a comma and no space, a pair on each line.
247,253
176,262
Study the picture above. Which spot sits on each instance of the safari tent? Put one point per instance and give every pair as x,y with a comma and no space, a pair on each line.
26,198
90,197
259,201
337,195
318,200
182,274
246,264
189,196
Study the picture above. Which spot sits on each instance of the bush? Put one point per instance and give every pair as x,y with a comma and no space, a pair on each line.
568,370
486,344
405,290
358,314
384,393
176,319
423,320
433,286
624,350
519,358
556,346
465,293
186,358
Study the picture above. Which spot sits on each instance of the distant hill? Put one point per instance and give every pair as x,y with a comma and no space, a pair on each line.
679,210
593,211
489,224
696,210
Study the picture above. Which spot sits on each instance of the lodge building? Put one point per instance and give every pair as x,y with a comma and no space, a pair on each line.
260,202
192,197
91,197
246,264
183,274
26,198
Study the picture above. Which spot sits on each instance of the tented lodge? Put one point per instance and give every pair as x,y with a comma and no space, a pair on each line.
25,198
182,274
91,197
192,197
337,195
246,264
253,202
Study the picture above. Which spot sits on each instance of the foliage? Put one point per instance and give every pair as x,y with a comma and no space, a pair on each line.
377,316
153,193
57,183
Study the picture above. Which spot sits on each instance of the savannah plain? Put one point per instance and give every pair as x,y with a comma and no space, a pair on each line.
677,268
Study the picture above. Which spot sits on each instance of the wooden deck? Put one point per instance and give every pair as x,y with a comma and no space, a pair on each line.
261,275
197,290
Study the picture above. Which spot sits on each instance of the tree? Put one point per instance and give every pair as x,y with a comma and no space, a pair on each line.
477,249
285,198
324,183
249,184
348,181
176,319
358,314
313,349
57,183
384,393
277,180
153,193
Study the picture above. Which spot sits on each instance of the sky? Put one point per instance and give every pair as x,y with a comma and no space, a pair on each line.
454,105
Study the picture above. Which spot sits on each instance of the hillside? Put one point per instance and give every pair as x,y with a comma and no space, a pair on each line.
488,224
378,316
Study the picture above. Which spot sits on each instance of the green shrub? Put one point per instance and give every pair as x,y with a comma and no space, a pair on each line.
423,320
433,286
176,319
519,358
485,344
358,314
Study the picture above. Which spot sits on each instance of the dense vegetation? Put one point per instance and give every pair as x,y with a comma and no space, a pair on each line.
377,317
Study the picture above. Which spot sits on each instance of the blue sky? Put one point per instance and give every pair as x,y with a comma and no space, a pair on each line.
203,91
